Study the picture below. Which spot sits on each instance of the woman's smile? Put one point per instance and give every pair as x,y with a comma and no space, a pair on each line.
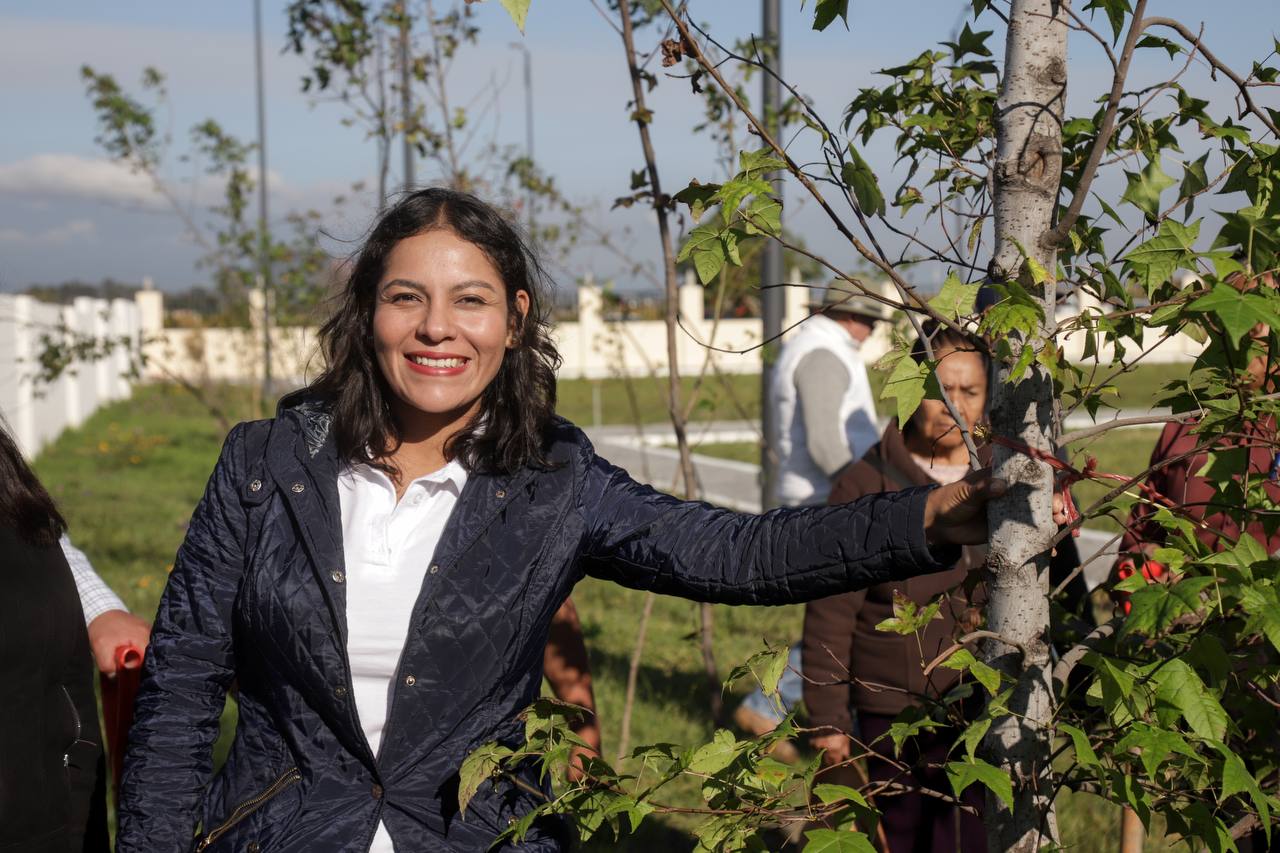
437,364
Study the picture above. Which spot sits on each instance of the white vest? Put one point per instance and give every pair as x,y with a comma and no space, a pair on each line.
800,480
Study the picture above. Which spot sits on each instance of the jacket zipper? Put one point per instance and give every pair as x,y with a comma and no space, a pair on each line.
248,807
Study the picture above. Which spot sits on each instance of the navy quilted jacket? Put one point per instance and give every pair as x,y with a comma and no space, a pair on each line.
257,599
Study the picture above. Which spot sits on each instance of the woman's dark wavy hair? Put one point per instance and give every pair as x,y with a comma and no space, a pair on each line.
517,406
25,506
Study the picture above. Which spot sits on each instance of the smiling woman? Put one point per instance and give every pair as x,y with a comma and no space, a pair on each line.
379,566
442,277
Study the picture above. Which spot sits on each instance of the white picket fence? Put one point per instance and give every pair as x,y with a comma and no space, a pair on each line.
38,412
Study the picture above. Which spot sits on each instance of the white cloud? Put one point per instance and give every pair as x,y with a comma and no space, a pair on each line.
73,176
45,176
58,235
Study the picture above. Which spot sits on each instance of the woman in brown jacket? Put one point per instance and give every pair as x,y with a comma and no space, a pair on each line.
849,665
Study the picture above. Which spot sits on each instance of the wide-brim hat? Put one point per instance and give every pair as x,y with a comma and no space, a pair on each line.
841,296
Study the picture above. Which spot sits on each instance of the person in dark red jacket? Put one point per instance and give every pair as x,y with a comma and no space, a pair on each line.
1179,455
378,566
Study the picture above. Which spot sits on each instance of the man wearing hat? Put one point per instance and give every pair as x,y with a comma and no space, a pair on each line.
826,414
826,420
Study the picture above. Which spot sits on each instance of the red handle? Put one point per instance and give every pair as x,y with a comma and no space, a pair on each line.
128,656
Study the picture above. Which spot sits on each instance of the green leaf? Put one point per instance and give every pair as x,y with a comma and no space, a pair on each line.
754,164
1181,693
698,196
477,768
964,660
518,10
969,42
1262,604
713,757
828,794
837,841
906,385
1080,743
964,773
973,735
1153,746
763,215
1238,312
826,11
866,189
1115,11
1144,188
956,299
1155,606
910,721
1155,260
707,249
1236,779
1194,179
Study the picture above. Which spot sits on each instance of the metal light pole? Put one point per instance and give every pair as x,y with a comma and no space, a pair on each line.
528,120
406,101
772,297
264,240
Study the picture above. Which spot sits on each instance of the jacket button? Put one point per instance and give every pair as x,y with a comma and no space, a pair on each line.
298,488
511,821
409,681
255,485
435,567
252,847
340,691
376,792
337,575
500,494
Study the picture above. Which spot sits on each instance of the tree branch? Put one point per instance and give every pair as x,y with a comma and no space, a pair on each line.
1182,30
1058,234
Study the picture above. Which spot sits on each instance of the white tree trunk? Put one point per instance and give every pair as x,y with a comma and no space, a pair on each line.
1027,172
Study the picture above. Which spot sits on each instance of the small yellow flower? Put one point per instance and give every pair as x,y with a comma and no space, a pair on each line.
103,447
134,460
144,581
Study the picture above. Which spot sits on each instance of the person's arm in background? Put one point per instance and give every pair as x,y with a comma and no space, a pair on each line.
109,622
567,670
821,383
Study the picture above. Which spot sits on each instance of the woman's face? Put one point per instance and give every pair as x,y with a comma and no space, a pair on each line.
441,327
963,376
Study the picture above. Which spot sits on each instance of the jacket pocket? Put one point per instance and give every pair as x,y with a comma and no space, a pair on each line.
248,807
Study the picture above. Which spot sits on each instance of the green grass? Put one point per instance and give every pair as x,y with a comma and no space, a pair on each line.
728,397
128,479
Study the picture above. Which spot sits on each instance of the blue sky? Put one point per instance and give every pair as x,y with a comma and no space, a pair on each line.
64,213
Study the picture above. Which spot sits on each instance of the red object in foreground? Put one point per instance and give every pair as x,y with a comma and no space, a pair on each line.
1151,570
118,693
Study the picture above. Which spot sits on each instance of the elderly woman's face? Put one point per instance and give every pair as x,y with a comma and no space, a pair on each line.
441,325
964,377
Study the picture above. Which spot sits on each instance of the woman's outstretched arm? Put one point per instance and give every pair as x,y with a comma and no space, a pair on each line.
645,539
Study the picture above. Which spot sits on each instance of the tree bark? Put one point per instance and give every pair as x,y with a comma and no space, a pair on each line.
1027,173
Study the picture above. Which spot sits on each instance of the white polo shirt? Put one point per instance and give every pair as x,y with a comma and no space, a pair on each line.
388,547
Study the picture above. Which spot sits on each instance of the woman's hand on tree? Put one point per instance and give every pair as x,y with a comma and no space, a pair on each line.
956,514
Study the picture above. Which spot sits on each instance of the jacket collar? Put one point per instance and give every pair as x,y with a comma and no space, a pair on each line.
303,460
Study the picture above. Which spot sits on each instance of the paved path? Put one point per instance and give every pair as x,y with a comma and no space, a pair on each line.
647,455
